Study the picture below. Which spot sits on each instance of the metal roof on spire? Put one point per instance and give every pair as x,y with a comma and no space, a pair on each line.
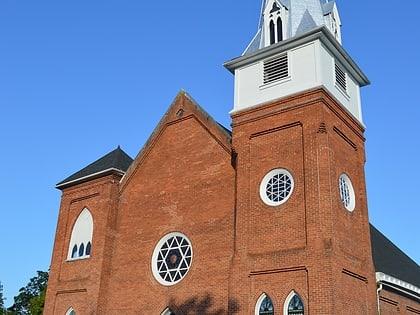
303,15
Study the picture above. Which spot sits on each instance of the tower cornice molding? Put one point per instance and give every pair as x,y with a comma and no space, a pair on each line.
322,34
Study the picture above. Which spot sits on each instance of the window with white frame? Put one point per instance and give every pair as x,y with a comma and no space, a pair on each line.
172,258
294,305
167,311
346,192
264,305
70,311
81,236
276,187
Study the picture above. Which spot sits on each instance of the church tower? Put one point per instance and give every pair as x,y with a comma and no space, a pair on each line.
302,242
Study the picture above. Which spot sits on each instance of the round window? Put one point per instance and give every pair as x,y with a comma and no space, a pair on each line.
172,258
276,187
347,192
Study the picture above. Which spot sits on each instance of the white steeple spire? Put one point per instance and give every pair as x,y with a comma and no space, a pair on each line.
283,19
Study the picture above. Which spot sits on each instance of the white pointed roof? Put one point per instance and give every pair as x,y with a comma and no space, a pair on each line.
300,16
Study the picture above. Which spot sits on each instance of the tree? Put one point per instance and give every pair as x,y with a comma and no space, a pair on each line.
30,300
2,310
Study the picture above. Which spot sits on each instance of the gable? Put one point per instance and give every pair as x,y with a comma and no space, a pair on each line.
185,125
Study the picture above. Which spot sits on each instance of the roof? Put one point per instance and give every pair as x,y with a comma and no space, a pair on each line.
389,259
117,160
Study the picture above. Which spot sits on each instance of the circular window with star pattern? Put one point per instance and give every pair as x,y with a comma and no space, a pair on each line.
172,258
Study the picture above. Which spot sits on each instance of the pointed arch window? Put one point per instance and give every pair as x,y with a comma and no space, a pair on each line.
168,312
279,29
294,305
81,236
264,305
272,33
70,311
274,23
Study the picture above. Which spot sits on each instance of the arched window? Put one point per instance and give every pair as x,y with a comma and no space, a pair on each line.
81,236
264,305
272,33
70,311
279,29
168,312
88,247
294,305
74,252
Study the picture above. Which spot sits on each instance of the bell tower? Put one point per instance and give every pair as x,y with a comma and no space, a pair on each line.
302,242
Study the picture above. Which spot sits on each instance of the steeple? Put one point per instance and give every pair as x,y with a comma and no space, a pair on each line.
297,48
284,19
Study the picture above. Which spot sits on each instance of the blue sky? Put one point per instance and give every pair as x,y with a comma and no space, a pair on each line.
78,78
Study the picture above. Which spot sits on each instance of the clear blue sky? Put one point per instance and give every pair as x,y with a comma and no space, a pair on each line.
78,78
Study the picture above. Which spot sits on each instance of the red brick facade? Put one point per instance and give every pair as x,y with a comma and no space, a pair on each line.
193,178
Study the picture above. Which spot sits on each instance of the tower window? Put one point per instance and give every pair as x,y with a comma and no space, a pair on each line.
81,236
276,187
264,306
340,78
272,33
276,68
279,29
347,192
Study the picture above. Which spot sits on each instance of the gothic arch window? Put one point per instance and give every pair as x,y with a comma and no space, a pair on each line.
294,305
272,33
81,236
264,305
279,29
274,17
168,312
70,311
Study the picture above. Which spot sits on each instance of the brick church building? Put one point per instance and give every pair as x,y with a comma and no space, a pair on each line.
268,217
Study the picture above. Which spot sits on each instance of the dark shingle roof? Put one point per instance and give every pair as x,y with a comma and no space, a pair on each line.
389,259
115,160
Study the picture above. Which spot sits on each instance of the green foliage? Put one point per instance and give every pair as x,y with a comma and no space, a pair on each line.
30,300
2,310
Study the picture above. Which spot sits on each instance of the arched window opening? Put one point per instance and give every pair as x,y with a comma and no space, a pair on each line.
168,312
81,250
70,311
279,30
88,247
74,252
295,305
81,236
272,33
264,306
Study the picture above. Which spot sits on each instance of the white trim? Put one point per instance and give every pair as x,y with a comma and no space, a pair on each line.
157,252
70,311
398,284
259,301
87,177
266,180
345,180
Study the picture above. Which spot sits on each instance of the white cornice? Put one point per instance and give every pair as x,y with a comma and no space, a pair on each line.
320,33
89,177
399,285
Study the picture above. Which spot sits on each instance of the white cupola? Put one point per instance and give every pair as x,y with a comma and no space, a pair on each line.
297,47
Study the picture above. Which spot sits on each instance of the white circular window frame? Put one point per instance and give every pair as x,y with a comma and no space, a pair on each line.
156,251
267,178
352,202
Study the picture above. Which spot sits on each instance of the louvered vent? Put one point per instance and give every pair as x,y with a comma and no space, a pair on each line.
276,69
340,78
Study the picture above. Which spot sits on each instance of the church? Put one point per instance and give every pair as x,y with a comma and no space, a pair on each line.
266,217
